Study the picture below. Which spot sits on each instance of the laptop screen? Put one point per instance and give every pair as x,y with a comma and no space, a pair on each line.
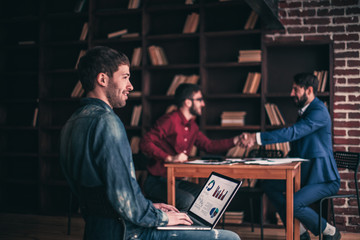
213,199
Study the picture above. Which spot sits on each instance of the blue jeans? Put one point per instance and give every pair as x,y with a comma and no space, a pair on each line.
155,189
308,194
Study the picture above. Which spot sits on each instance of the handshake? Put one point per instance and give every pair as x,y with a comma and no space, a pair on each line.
245,140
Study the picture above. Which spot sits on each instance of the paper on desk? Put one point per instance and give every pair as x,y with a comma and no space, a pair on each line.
275,161
209,161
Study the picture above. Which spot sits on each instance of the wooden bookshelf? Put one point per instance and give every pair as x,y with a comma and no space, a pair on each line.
49,35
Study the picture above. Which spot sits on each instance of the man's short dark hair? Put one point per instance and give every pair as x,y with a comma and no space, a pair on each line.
99,60
185,91
307,80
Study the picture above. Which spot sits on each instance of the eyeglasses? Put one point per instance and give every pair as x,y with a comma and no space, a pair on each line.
197,99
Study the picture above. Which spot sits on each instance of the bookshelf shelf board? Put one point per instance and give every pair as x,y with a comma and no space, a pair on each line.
172,7
115,40
17,128
19,73
173,66
118,11
176,36
222,128
67,43
224,3
61,100
21,181
17,154
231,64
66,15
232,96
27,18
56,71
233,33
159,98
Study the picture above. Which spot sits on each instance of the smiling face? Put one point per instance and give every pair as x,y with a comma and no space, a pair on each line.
119,87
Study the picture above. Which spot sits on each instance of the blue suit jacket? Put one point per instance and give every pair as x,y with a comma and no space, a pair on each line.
310,138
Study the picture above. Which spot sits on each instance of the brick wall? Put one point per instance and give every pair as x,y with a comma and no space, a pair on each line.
338,20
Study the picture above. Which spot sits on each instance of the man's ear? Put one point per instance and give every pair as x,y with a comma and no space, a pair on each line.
102,79
187,102
309,90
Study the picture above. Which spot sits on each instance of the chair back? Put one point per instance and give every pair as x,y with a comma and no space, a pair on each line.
348,160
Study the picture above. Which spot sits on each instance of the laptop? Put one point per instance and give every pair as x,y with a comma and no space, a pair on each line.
210,204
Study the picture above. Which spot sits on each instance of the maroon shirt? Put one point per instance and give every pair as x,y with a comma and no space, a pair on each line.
173,134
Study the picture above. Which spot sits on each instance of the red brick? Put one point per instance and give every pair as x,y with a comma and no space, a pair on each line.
354,115
339,20
301,30
348,141
353,10
316,4
344,2
339,63
316,37
282,13
339,132
348,89
354,80
338,98
339,45
290,21
331,12
353,45
354,133
347,54
353,63
339,80
339,148
346,37
301,13
354,107
354,221
349,124
285,39
346,211
353,98
339,115
346,71
354,149
353,28
323,29
339,201
317,21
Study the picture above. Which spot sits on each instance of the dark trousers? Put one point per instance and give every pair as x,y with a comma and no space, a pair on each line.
155,188
308,194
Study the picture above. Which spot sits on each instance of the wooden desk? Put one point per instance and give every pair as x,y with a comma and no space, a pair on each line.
289,172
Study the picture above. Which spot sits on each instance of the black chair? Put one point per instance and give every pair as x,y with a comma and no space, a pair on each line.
350,161
253,193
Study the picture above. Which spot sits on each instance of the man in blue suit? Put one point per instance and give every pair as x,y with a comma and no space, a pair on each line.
310,138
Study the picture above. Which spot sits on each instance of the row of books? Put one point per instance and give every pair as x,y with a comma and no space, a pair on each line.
276,119
252,82
251,21
157,55
249,56
191,23
179,79
135,116
322,76
136,57
233,118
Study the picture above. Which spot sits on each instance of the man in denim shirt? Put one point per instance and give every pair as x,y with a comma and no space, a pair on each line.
97,161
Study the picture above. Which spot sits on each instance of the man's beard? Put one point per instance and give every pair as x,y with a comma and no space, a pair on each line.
300,102
193,111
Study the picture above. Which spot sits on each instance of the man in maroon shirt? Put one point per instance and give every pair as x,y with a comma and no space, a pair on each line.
171,140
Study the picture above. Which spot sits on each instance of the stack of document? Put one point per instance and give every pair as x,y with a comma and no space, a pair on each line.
272,161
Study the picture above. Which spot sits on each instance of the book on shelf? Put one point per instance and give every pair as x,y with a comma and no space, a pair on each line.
252,82
135,117
134,144
189,2
136,57
133,4
35,116
191,23
322,77
233,118
233,217
82,53
130,35
84,31
251,21
79,5
157,55
179,79
117,33
276,119
78,91
249,56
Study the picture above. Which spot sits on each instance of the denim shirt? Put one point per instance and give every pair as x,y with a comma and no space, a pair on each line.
95,151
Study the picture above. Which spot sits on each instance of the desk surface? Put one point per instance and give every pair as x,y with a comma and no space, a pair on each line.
289,172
